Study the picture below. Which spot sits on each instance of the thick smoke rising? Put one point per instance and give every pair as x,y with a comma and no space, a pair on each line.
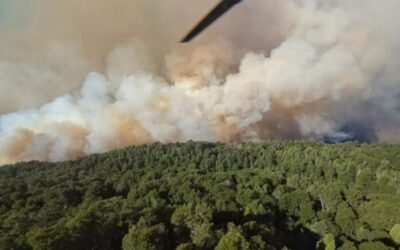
269,69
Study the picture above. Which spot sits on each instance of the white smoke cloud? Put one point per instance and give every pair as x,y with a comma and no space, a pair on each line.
318,69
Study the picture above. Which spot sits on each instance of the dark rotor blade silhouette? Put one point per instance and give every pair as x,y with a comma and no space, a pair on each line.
216,13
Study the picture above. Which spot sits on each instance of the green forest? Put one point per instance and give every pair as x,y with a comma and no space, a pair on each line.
196,195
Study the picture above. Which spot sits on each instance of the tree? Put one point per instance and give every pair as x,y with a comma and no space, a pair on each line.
345,218
233,239
56,237
143,236
327,243
395,233
196,219
272,195
373,245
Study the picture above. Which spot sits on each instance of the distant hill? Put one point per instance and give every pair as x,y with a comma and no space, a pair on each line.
272,195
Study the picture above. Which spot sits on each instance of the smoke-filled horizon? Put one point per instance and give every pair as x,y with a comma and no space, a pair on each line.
81,77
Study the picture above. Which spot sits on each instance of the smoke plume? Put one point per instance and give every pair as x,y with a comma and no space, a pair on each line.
81,77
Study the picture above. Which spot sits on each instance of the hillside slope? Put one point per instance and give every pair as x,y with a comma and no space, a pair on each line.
274,195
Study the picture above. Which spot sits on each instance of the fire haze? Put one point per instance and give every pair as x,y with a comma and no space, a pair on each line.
81,77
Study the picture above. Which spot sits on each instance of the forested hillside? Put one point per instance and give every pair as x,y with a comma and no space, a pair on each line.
273,195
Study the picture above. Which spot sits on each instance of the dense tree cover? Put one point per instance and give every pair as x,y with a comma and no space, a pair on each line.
274,195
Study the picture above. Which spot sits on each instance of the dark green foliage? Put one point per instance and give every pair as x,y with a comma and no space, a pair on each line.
233,239
275,195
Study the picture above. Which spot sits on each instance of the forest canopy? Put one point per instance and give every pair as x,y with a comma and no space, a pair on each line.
196,195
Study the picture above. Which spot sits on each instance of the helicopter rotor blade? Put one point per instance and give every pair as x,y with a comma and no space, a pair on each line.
215,13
